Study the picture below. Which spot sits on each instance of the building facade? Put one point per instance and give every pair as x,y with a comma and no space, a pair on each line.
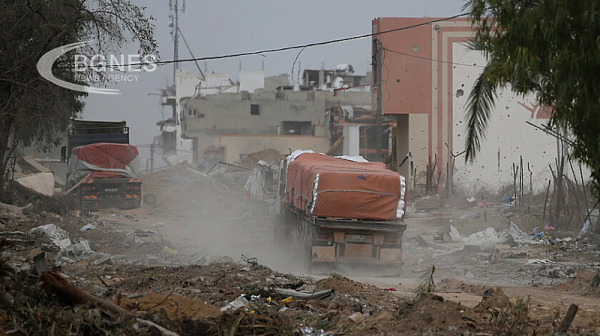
226,120
427,73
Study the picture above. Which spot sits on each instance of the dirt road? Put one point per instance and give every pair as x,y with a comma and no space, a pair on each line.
463,280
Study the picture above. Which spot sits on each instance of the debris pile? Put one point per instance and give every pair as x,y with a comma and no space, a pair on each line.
270,156
65,274
585,282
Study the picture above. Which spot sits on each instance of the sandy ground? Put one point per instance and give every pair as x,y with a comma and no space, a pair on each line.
251,235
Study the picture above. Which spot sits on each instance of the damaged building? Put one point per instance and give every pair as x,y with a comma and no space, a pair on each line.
218,119
427,74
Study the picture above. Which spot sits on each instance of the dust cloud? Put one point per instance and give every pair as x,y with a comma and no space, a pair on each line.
213,217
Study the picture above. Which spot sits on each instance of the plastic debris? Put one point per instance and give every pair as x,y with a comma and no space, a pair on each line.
87,227
514,235
539,261
293,294
485,239
585,229
58,236
310,331
288,299
357,317
169,250
240,302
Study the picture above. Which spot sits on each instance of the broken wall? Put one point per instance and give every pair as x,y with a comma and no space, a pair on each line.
245,144
229,120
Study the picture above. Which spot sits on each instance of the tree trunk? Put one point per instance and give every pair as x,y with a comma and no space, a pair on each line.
6,149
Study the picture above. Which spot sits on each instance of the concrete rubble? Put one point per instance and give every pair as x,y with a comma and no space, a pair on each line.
449,234
126,260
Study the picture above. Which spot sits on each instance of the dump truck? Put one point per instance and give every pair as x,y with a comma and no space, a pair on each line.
342,214
102,167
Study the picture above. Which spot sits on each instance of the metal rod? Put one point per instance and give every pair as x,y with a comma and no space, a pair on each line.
546,201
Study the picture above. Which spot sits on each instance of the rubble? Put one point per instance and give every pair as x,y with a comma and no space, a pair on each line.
40,182
485,240
449,234
139,282
58,236
269,156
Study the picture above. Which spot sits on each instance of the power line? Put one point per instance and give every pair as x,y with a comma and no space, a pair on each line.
432,59
302,46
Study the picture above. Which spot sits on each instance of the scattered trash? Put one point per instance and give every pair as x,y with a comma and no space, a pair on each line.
250,261
357,317
539,261
310,331
471,199
58,236
169,250
240,302
391,289
514,235
584,230
485,239
87,227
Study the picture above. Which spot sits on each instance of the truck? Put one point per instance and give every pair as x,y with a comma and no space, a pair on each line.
102,168
342,214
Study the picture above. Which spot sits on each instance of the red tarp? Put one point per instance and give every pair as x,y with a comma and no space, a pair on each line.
346,189
106,155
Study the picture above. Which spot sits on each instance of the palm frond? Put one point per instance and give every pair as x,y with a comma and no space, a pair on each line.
479,107
427,285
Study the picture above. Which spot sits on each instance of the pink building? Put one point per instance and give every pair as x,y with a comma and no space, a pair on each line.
427,74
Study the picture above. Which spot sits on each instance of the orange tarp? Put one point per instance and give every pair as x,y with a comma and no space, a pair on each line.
346,189
106,155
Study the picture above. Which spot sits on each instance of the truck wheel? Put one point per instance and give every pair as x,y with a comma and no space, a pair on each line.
150,199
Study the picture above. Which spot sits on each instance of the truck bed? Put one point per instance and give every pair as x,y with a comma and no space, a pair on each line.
324,186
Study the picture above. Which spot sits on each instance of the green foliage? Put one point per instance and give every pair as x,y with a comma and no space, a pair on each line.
427,284
34,111
549,48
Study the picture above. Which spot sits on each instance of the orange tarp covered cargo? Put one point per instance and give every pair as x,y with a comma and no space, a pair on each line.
324,186
104,156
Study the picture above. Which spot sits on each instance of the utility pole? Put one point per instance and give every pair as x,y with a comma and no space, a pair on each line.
379,111
151,158
174,24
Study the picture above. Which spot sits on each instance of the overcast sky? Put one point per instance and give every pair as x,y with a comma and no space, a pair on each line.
222,27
